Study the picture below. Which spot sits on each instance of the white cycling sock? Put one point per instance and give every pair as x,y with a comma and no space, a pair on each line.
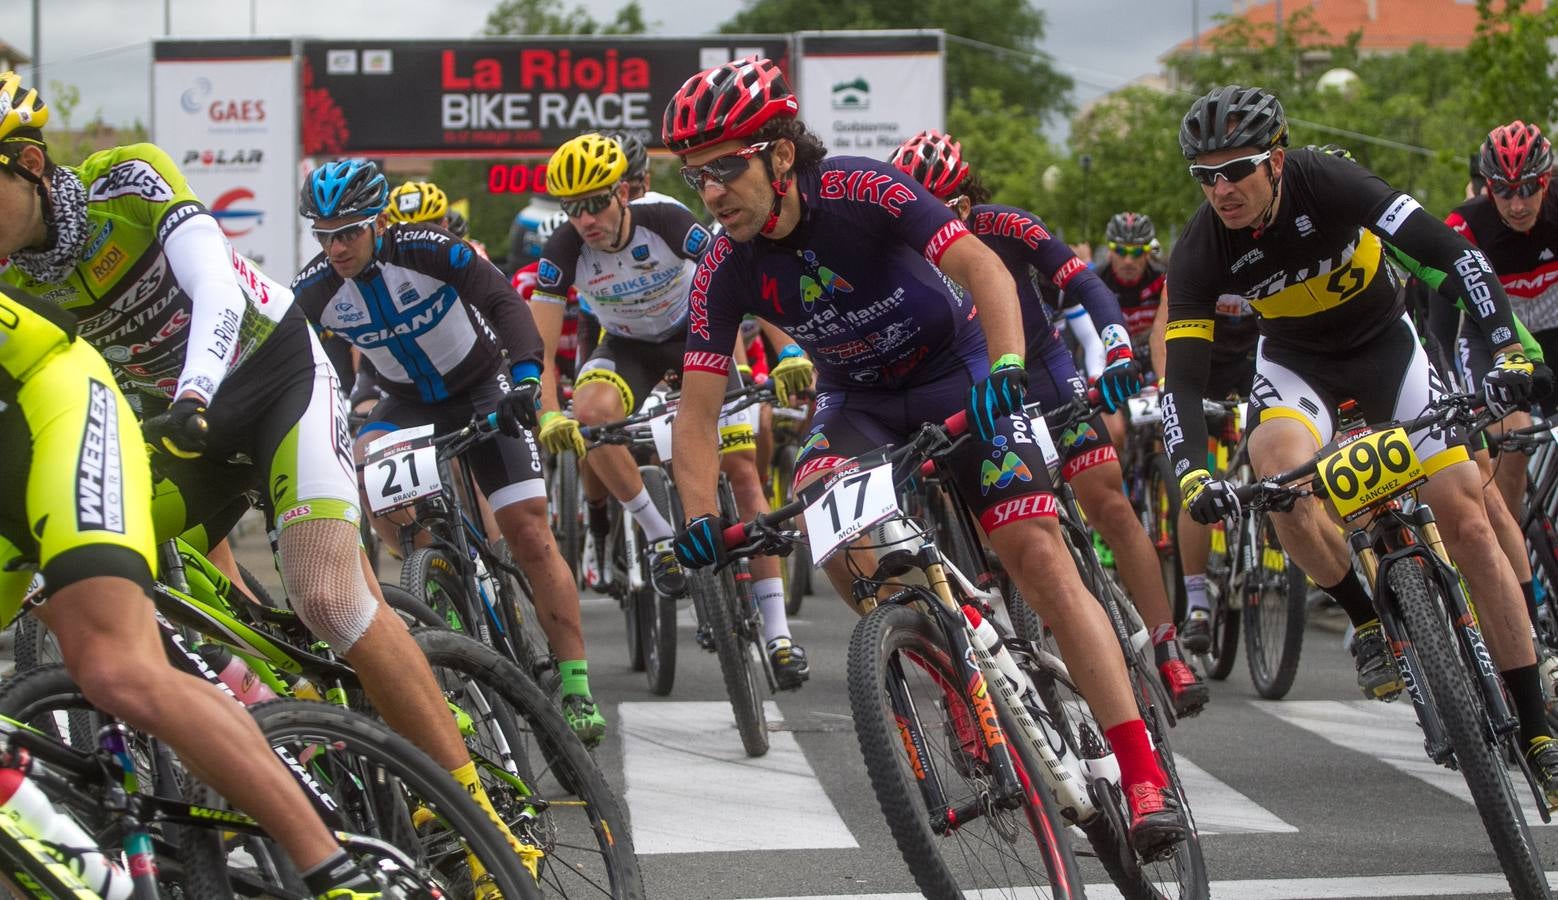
649,520
1195,593
770,602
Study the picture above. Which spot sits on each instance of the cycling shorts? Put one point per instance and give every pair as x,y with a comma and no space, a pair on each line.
79,502
278,424
1053,380
1390,377
644,364
508,470
1003,481
1230,378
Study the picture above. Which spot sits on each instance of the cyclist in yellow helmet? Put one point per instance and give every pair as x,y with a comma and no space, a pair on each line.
418,201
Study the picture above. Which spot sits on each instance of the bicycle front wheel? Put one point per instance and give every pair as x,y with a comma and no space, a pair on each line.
1460,709
567,508
657,614
1274,597
912,722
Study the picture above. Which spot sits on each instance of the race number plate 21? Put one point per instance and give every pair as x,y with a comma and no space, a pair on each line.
401,468
853,503
1369,470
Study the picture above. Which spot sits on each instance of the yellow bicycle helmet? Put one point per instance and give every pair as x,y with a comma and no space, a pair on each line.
584,165
22,115
417,201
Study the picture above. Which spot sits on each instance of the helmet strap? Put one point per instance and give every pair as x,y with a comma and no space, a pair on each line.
1270,212
781,187
622,223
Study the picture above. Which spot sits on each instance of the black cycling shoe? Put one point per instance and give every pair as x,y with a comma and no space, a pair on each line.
1542,754
1196,634
1377,674
665,572
789,661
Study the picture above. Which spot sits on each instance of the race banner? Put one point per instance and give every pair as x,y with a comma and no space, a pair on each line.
864,93
497,97
226,112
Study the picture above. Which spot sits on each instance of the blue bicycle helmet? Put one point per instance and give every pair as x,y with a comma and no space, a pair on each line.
345,187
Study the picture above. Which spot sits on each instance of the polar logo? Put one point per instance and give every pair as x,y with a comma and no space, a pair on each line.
233,215
193,100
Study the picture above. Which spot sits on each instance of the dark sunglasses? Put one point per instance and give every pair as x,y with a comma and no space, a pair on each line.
1527,188
345,234
588,206
1234,170
1132,250
724,169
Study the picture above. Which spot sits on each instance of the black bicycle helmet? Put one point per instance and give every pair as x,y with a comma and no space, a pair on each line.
1233,116
1130,228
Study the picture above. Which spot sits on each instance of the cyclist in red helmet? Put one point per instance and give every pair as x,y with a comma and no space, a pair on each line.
853,259
1087,457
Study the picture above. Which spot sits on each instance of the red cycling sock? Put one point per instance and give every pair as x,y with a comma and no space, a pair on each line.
1138,762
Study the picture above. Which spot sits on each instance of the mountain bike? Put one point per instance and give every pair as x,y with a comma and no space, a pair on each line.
470,581
1367,475
1153,490
789,436
978,785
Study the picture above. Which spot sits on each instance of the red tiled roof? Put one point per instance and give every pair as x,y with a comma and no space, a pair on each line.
1395,25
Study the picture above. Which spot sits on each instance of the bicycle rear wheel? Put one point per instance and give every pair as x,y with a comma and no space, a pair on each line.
567,509
1459,706
720,602
657,614
796,567
998,852
430,575
1161,518
1274,612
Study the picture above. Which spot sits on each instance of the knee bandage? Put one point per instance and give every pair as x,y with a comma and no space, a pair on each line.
323,573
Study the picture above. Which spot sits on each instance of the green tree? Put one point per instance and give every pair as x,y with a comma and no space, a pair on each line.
70,143
1010,63
1514,59
552,17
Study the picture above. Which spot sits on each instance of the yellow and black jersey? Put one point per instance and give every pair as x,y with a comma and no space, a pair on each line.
31,331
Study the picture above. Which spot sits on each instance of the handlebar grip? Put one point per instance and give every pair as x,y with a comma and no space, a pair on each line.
196,427
492,419
957,423
735,535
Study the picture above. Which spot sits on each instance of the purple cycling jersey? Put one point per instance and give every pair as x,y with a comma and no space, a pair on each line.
855,283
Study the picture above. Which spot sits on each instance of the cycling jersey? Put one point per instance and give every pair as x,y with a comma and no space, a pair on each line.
1032,253
639,291
1526,263
424,311
78,494
1139,299
1316,279
150,248
855,284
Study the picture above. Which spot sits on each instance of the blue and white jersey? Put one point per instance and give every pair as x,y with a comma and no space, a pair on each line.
432,317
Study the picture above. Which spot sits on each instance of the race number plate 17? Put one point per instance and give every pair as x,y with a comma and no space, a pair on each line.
853,503
401,468
1369,470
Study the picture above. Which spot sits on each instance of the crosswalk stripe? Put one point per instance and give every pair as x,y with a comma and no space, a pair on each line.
1389,733
1364,886
691,788
1219,809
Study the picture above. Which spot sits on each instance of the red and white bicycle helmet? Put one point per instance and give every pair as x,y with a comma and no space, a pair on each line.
933,159
728,102
1516,152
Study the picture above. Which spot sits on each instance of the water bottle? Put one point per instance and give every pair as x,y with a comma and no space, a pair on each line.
31,810
236,674
1019,682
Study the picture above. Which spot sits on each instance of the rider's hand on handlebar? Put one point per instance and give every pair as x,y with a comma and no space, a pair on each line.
997,396
180,430
792,376
1121,379
701,543
1508,384
560,434
517,409
1208,499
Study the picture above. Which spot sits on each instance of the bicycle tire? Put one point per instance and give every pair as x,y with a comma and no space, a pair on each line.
517,601
556,765
1458,706
256,587
567,511
430,575
1161,517
1274,613
879,639
796,568
33,697
1219,660
657,614
410,608
34,647
718,597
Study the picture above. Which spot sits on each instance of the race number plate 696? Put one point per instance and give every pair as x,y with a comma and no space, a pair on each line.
1369,470
401,468
853,503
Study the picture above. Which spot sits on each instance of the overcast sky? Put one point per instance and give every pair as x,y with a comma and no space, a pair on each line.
103,46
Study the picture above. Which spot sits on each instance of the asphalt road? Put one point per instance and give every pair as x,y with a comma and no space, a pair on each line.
1322,794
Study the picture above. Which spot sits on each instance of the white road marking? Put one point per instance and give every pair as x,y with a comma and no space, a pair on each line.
1219,809
692,788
